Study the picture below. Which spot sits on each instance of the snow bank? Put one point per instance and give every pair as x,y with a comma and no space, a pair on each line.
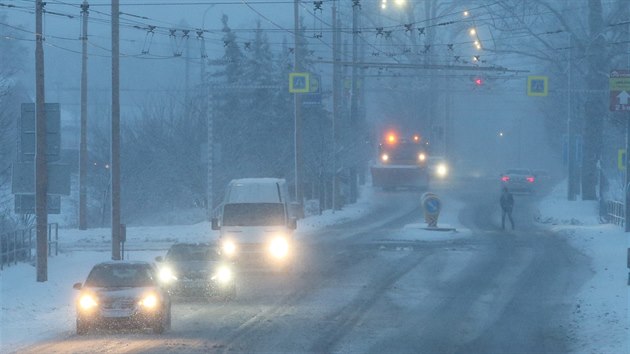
599,321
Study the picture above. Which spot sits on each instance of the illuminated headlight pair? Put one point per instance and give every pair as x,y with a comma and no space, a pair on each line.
279,247
223,275
167,275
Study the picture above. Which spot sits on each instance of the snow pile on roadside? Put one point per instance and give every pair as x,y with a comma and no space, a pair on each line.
555,209
599,322
363,205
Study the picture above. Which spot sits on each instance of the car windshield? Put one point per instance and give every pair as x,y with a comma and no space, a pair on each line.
120,275
191,253
253,214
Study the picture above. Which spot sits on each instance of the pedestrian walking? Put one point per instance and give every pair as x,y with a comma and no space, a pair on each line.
507,204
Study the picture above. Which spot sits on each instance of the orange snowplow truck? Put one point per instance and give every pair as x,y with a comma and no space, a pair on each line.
402,163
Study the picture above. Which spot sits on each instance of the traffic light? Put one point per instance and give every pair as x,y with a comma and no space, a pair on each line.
480,81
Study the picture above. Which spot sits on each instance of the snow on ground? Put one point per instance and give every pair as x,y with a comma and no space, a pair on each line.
34,311
599,322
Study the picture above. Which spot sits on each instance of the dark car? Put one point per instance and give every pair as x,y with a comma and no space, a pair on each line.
519,180
196,269
123,294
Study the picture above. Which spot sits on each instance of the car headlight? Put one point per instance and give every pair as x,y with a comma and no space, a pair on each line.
87,302
223,275
441,170
279,247
422,157
384,157
167,275
228,247
149,301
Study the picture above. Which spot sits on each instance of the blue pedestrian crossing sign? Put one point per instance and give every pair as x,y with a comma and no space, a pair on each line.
299,83
537,85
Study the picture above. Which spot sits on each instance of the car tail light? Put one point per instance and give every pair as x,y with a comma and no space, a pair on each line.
505,178
530,179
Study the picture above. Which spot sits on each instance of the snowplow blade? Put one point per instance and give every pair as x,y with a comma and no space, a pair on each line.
392,177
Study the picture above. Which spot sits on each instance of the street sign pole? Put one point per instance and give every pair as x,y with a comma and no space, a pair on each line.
41,172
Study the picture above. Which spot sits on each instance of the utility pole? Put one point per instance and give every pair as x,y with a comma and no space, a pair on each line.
83,154
41,172
354,126
297,99
186,57
336,111
627,189
570,178
115,144
205,106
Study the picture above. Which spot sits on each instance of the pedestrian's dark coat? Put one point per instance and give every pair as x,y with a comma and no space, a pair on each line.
507,200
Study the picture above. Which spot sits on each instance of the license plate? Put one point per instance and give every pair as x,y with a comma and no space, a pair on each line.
116,313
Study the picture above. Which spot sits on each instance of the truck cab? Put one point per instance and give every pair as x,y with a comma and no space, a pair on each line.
256,223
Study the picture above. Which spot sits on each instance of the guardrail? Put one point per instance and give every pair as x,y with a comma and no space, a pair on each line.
17,246
615,212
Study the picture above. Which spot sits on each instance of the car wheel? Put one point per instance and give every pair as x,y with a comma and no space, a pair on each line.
168,317
160,324
82,327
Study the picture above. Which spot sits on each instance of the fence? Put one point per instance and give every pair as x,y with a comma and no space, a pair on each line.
615,212
17,246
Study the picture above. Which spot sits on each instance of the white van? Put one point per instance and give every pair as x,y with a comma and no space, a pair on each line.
256,222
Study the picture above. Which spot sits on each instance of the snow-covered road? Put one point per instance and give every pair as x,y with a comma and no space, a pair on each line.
369,280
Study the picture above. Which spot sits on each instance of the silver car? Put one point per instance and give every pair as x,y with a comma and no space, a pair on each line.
123,294
519,180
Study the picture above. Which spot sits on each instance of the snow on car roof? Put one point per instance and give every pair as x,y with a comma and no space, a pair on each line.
122,263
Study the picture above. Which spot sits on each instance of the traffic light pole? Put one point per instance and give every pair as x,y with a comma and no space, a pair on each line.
83,144
336,110
297,100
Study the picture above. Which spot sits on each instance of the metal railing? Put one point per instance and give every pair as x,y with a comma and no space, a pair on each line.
615,212
17,246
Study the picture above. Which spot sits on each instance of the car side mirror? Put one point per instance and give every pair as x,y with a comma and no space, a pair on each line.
77,286
159,259
215,224
292,223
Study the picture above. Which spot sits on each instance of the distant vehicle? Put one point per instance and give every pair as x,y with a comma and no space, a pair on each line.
121,293
256,224
519,180
439,167
196,269
402,163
